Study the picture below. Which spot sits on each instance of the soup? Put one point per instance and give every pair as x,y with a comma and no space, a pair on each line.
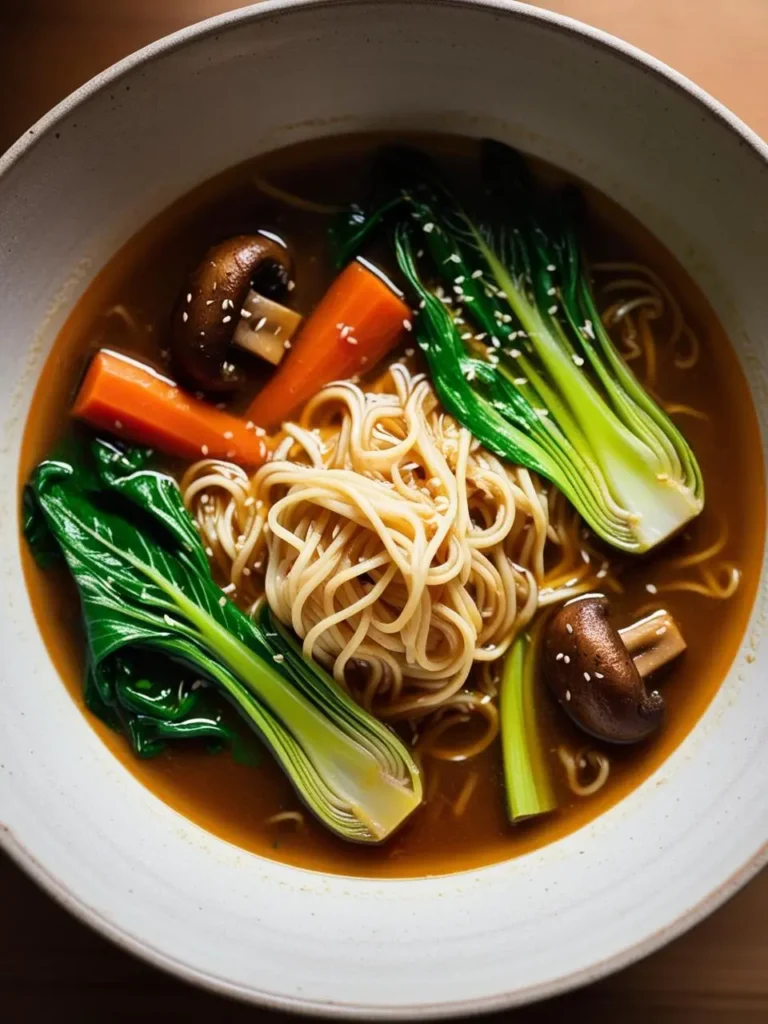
451,496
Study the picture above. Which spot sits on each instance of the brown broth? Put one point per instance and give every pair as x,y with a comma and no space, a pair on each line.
233,800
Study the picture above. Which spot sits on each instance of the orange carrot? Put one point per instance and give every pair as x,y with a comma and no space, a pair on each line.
134,402
358,320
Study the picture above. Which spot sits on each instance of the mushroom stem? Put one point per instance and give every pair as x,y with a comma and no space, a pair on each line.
653,641
265,327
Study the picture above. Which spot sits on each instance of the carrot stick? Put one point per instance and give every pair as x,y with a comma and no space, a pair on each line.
357,322
133,401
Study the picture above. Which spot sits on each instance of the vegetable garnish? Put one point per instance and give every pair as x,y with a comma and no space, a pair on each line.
526,778
357,322
518,353
152,610
124,397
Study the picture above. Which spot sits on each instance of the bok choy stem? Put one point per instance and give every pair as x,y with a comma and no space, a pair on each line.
528,786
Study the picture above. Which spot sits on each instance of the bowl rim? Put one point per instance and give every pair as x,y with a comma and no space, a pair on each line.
134,944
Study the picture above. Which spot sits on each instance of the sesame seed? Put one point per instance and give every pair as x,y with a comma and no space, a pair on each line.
407,325
189,297
185,316
477,273
209,552
567,659
578,360
228,434
222,601
350,340
429,227
229,589
226,319
569,627
458,289
291,285
278,657
551,291
587,677
559,656
467,335
599,675
588,329
246,571
567,694
460,279
552,310
204,449
246,313
520,381
551,267
118,425
225,303
651,588
286,344
661,631
260,324
515,353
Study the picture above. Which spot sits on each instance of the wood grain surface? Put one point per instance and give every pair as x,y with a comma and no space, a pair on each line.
51,964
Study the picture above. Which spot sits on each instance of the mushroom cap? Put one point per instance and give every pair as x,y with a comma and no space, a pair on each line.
210,307
592,675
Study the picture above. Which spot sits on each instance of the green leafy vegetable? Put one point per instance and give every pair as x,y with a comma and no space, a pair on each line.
526,777
156,621
153,699
517,351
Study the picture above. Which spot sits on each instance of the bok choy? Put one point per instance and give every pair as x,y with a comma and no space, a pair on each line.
158,626
517,350
526,778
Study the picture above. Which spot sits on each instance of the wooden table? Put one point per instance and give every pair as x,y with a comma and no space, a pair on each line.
718,973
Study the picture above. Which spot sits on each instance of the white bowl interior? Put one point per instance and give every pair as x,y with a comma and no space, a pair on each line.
74,815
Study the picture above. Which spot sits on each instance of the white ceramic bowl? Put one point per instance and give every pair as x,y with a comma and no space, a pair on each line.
76,187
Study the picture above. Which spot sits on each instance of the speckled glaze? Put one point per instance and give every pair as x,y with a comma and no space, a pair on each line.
74,189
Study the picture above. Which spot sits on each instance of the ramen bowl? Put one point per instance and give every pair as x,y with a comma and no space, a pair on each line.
72,191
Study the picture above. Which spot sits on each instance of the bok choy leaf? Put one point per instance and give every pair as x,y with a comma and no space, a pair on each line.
516,348
155,619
